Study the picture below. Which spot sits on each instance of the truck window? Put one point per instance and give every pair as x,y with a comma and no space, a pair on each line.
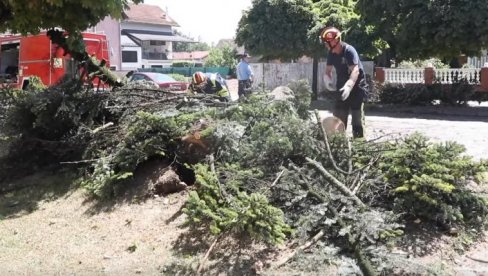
9,62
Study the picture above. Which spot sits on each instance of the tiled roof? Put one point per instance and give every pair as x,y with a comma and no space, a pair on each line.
190,55
149,14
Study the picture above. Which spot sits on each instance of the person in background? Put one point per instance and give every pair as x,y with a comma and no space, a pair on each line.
210,83
244,75
351,80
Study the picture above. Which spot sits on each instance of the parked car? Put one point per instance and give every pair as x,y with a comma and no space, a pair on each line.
164,81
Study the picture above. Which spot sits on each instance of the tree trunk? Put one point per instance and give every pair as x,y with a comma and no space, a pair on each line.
315,83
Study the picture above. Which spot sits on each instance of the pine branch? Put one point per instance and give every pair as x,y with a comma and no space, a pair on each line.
203,261
327,144
364,264
306,245
338,184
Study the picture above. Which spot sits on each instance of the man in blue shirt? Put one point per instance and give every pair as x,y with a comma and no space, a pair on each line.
244,75
350,79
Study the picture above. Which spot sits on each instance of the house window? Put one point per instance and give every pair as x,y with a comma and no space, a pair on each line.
157,43
129,56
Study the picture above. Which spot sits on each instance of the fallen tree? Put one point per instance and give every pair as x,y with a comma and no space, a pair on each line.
262,168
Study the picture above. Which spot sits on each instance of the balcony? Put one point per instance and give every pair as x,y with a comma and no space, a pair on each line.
154,56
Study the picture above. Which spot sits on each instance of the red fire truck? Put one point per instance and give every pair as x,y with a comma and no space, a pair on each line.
22,57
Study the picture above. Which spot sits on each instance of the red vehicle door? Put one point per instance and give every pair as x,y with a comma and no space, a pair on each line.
96,44
35,58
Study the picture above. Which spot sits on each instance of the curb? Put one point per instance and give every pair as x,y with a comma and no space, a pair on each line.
467,111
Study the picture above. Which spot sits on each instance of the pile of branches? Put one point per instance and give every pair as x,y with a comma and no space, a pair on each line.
264,168
55,127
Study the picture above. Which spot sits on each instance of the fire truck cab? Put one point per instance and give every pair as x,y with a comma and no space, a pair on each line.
22,57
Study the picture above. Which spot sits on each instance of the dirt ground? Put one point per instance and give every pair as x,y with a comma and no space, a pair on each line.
56,230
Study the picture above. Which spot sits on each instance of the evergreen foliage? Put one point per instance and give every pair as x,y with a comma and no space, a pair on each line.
458,93
233,210
429,180
265,169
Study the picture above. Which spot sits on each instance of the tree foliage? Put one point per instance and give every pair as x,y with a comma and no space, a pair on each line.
234,210
26,16
224,57
403,29
276,28
190,46
429,180
292,28
260,165
425,28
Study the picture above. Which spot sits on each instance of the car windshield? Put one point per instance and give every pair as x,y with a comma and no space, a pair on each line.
163,78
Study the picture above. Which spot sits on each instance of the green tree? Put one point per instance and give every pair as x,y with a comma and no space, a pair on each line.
419,29
342,15
189,46
73,16
289,29
31,16
280,29
224,57
277,29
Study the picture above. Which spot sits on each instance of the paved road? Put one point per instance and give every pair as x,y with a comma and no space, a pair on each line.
470,131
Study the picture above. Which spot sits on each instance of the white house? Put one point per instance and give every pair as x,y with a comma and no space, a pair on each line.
143,38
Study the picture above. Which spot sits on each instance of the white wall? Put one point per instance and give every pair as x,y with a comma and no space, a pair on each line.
132,65
276,74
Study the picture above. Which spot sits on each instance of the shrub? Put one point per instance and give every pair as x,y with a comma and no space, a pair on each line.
429,180
182,64
228,209
419,94
411,94
410,64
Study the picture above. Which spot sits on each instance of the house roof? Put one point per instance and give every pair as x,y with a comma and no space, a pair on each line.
190,55
149,14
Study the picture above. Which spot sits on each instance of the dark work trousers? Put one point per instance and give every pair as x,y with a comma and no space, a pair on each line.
244,87
355,104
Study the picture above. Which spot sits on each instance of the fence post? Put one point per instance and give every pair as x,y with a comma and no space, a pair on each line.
484,77
380,74
429,75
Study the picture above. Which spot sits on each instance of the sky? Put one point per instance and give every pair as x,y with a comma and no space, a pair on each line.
206,21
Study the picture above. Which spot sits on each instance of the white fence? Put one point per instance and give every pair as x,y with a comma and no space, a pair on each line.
444,76
404,75
449,76
272,75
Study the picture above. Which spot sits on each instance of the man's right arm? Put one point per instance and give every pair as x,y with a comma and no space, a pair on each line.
328,71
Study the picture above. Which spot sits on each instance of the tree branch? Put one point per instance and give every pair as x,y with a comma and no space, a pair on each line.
339,185
203,261
327,144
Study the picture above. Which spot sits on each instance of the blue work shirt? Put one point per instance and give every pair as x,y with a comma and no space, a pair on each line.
243,70
341,63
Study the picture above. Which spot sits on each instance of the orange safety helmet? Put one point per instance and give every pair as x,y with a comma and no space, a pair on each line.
198,78
330,33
